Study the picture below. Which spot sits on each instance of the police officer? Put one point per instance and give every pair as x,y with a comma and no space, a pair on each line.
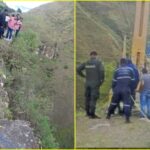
121,85
94,74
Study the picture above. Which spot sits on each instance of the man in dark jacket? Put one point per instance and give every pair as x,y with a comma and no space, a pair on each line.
3,22
121,85
94,74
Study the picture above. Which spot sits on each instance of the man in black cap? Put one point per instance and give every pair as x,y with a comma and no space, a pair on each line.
121,85
94,74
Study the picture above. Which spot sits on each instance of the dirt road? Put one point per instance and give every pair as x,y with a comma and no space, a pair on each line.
102,133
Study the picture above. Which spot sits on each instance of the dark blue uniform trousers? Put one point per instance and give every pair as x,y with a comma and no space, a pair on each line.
125,95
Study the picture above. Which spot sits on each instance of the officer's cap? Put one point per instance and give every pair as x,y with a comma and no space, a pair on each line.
93,53
5,10
123,61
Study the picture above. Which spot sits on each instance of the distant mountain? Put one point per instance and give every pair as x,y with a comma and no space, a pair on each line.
3,5
53,22
23,8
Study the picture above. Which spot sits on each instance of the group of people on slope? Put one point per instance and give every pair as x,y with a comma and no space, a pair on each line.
10,23
126,82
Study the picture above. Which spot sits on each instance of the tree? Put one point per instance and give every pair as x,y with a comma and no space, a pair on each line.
19,10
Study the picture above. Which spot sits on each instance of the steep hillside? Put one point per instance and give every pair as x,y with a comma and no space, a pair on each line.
39,67
101,26
53,23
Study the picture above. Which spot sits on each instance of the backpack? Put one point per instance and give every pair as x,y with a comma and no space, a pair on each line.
2,19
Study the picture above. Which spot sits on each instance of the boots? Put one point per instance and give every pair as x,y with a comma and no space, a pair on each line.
108,116
127,120
93,116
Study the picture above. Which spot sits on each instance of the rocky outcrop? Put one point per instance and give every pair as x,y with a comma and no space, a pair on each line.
50,52
4,100
17,134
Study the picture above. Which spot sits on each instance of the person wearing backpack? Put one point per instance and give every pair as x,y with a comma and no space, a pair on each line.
95,75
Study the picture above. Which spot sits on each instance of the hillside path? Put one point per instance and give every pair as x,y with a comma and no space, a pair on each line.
102,133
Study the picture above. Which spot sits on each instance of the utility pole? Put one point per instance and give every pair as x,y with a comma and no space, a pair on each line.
140,33
124,53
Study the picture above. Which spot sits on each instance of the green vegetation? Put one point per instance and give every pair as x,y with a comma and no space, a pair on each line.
29,85
1,5
34,82
105,89
65,136
54,25
101,26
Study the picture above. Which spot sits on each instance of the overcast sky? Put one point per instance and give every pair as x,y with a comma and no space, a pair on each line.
24,6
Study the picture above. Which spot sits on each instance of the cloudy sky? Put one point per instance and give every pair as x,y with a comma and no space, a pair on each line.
24,6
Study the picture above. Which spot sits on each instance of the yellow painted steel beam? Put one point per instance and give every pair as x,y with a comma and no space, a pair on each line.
140,33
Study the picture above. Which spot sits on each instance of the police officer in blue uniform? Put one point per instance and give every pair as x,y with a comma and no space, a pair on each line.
137,78
121,85
94,74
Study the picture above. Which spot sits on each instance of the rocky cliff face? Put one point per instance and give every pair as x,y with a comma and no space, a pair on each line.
17,134
13,133
4,100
